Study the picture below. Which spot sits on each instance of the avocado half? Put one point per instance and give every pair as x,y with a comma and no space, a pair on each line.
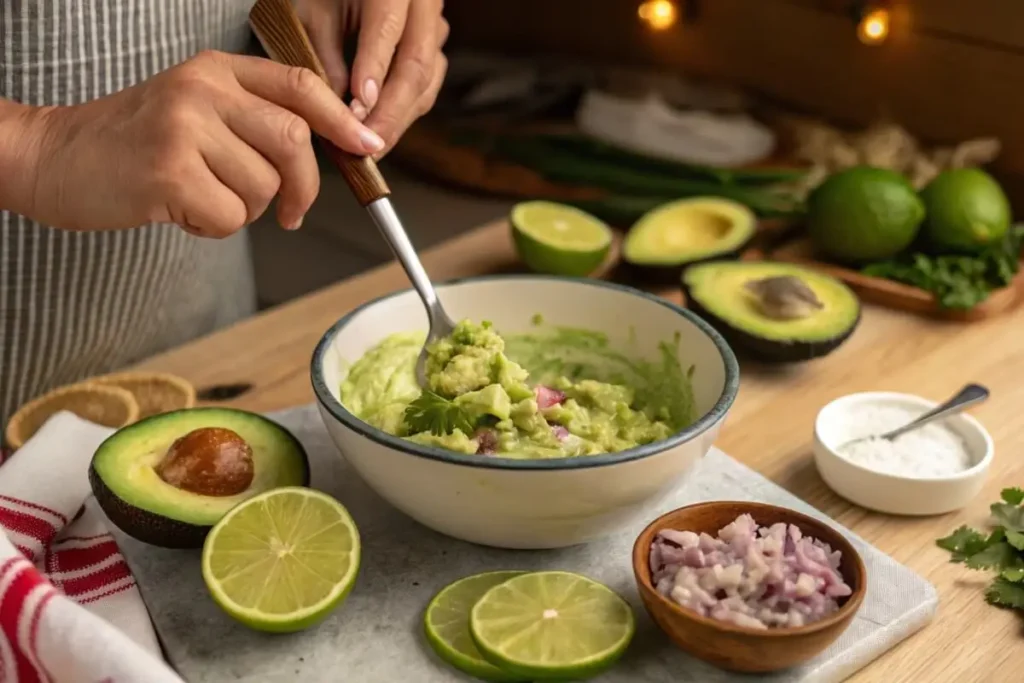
776,312
681,233
139,502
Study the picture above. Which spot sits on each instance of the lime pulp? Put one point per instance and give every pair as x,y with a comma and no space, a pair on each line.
283,560
446,623
552,626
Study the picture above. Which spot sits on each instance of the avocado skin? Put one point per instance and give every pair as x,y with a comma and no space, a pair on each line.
770,350
143,525
159,530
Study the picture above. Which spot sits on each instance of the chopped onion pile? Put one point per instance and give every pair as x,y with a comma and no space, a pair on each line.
759,577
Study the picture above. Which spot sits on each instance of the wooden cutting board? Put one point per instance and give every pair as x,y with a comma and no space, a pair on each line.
889,293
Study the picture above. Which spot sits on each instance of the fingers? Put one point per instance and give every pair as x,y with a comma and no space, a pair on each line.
303,92
206,207
243,170
443,29
323,25
284,140
429,98
412,73
381,27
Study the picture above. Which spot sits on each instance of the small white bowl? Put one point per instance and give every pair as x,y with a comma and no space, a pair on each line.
897,494
533,504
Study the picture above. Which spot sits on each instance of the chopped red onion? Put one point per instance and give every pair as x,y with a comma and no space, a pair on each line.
548,397
760,577
560,432
487,441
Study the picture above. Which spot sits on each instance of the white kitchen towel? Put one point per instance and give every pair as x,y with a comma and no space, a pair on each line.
70,611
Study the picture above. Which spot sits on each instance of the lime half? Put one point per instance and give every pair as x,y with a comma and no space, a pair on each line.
447,625
552,626
282,560
558,239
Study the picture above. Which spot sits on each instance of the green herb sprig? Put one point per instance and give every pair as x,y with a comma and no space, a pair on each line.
1002,550
957,281
437,415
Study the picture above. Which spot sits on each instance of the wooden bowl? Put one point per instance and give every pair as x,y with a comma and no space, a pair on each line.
105,405
740,648
155,392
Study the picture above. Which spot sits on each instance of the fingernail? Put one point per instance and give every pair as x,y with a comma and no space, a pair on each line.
358,109
371,141
370,93
297,224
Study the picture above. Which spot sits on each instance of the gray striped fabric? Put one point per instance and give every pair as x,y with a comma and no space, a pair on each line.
77,304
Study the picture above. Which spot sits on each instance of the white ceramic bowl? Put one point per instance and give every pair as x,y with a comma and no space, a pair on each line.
895,494
528,503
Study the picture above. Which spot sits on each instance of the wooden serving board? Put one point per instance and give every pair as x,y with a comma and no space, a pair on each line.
889,293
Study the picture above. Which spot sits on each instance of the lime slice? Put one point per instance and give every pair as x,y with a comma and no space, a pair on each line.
283,560
447,625
559,239
552,626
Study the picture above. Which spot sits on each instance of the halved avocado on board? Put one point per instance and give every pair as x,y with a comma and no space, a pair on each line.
167,479
684,232
776,312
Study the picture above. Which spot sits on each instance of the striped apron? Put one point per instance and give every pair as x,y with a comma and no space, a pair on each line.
76,304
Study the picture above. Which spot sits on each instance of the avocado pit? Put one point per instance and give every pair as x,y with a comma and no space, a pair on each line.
210,461
784,297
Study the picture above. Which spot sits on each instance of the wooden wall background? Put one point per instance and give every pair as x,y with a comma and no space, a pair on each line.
950,69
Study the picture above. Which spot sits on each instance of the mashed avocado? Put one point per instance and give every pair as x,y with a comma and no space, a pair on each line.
557,394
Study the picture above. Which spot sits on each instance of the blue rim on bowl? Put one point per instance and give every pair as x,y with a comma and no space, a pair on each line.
339,411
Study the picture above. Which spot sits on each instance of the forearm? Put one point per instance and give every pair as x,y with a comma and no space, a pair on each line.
21,138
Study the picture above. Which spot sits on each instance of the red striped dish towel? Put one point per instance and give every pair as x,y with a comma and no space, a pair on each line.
70,611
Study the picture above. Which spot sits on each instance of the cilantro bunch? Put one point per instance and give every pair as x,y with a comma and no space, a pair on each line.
958,281
1002,550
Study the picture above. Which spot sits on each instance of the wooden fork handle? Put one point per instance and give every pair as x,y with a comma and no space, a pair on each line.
284,38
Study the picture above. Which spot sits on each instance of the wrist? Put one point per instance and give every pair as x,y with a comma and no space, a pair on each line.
24,131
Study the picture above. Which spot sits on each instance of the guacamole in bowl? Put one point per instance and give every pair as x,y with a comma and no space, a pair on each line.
580,407
552,393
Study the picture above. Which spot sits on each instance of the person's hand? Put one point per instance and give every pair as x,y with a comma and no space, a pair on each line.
207,144
398,67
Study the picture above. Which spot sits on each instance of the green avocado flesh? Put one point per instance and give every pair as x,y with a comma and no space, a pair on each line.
687,231
128,488
550,394
778,311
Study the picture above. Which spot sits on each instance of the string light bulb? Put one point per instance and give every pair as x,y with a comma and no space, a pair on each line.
873,26
658,14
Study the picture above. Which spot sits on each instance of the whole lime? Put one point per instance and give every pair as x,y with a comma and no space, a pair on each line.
967,210
864,214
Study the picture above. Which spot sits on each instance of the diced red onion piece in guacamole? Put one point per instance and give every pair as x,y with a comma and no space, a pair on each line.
487,441
560,432
548,397
761,577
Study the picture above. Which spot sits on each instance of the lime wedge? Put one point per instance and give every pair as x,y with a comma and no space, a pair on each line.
559,239
283,560
552,626
446,623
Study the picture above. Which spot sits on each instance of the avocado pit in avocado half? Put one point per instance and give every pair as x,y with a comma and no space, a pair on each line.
784,297
210,461
168,479
775,312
